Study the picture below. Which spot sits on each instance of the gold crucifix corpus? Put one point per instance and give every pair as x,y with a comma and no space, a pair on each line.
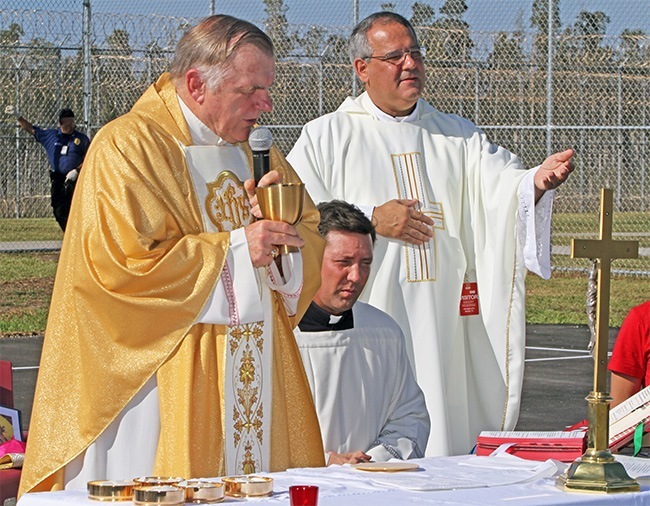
597,470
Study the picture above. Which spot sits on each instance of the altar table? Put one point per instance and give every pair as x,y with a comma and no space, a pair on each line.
462,480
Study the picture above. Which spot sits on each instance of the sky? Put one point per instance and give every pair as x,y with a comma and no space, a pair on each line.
482,15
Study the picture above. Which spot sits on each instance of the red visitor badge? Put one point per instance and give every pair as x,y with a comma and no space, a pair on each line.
469,299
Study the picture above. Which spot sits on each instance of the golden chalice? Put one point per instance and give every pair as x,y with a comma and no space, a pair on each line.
282,202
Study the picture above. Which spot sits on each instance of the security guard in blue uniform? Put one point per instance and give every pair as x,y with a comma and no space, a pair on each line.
66,149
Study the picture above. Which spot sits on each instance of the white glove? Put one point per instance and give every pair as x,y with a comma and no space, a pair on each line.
71,176
10,109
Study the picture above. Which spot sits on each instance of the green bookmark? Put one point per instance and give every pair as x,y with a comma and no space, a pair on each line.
638,438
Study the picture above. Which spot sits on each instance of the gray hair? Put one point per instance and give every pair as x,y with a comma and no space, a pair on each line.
209,45
359,47
343,217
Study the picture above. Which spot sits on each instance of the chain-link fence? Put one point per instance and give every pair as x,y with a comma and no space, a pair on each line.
536,77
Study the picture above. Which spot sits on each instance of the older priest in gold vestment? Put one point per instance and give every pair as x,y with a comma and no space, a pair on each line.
169,347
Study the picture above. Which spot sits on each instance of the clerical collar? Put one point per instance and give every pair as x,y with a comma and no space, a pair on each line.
382,116
201,134
316,319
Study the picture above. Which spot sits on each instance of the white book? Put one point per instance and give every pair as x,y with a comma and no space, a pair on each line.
518,434
628,405
629,422
617,441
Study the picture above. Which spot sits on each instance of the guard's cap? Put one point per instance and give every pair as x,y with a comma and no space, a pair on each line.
65,113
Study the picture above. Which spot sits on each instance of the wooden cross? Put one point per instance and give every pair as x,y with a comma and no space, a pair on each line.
605,250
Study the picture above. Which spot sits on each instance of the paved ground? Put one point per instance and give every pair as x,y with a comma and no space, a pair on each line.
15,246
558,377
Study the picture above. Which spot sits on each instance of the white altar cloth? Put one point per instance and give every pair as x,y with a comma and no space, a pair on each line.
461,480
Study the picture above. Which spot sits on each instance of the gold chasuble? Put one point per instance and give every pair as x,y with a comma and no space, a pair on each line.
143,252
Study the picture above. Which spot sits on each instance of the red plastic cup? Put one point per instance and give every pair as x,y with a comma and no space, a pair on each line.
303,495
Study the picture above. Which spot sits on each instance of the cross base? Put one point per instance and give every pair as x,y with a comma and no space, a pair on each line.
597,470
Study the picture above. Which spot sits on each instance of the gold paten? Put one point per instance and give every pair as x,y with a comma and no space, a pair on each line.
282,202
110,491
597,470
160,494
152,481
197,491
248,486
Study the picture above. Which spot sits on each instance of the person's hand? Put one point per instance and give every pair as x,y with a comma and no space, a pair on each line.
398,219
71,176
554,171
271,177
13,110
347,458
265,236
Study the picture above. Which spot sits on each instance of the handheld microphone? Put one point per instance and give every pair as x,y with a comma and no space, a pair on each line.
260,141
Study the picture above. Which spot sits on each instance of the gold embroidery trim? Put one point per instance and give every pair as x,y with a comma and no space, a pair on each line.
226,203
248,409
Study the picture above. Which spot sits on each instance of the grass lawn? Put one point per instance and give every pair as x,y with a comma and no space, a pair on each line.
30,229
562,299
26,281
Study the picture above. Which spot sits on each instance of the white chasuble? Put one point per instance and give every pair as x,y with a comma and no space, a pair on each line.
218,173
470,366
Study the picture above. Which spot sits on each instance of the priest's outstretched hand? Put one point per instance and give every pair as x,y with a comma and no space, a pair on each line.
553,172
400,219
347,458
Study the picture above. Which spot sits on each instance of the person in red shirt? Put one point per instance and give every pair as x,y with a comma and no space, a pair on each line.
630,361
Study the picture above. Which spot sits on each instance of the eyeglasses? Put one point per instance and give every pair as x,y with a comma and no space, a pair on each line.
397,57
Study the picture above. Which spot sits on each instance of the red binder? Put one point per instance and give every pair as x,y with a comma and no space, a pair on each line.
534,445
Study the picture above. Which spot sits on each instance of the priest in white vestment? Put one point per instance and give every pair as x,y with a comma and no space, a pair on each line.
459,221
169,348
368,403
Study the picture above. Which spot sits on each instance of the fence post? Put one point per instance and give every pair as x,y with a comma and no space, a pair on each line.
581,142
619,138
86,43
355,22
321,76
17,65
549,82
643,142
